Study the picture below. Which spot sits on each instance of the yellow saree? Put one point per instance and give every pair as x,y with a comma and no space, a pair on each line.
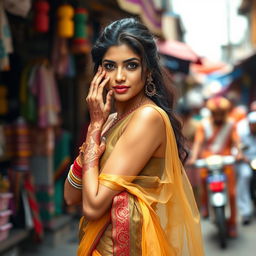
156,213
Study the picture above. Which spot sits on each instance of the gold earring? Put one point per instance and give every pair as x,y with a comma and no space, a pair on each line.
150,88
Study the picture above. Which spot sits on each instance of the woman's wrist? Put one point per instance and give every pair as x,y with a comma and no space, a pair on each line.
90,163
74,179
91,153
95,126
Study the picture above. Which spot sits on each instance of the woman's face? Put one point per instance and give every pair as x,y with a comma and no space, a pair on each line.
124,69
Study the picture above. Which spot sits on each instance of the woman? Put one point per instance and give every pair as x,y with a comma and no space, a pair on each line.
134,192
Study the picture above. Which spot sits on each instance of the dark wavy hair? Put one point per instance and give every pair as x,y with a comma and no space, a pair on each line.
134,34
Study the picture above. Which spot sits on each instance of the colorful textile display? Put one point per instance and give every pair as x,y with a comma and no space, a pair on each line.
44,87
22,146
30,189
5,40
9,139
61,164
28,106
45,197
61,155
80,41
65,24
41,19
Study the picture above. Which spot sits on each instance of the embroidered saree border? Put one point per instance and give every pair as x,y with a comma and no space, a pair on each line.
121,224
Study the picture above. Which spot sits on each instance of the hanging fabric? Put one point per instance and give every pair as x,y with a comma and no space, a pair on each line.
44,87
28,107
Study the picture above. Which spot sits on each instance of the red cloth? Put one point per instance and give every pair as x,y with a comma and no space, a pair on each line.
29,186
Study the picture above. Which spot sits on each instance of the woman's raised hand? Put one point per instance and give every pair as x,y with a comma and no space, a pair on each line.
99,111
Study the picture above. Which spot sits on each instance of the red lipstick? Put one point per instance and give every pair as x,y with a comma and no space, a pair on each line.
120,89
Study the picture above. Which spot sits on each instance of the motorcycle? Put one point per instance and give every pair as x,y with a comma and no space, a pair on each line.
217,191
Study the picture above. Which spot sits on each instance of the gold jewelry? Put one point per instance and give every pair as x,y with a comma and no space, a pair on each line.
74,180
150,88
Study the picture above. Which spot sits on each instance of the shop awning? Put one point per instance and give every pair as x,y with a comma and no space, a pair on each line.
207,66
178,50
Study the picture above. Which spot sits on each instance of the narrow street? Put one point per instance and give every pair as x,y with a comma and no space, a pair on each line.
63,243
243,245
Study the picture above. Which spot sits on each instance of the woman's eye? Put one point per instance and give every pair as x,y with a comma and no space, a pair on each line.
109,66
132,65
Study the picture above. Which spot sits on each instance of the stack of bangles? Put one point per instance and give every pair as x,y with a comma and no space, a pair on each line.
75,175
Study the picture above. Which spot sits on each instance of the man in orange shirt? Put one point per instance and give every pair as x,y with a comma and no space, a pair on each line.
216,135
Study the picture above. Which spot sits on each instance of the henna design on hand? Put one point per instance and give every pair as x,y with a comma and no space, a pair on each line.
91,150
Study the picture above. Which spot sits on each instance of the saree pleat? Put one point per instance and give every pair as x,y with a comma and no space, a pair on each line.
168,218
105,245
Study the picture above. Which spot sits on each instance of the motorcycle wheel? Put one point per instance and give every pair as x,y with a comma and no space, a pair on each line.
221,225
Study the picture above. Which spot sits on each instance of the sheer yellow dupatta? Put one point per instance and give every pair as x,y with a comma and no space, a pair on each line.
171,221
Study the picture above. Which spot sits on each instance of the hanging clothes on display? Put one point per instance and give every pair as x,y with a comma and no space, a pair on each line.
28,107
22,145
40,102
61,165
30,191
45,88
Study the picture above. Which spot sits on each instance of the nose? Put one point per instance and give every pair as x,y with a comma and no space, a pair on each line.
120,75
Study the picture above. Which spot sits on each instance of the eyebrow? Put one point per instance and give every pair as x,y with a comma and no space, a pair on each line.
125,61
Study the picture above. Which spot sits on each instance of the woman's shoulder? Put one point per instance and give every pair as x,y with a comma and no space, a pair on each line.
148,114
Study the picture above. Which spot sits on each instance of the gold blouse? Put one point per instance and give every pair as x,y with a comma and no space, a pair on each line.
154,167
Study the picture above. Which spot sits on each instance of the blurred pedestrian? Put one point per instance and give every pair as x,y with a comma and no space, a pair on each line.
246,133
243,124
129,177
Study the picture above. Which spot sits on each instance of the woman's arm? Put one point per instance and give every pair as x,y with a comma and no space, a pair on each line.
99,114
142,137
72,195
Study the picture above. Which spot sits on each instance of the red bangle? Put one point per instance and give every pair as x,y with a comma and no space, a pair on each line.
77,169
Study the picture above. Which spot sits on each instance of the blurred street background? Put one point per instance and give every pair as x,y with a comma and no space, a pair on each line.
207,47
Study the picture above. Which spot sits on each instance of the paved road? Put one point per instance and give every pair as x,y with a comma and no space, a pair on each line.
243,245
